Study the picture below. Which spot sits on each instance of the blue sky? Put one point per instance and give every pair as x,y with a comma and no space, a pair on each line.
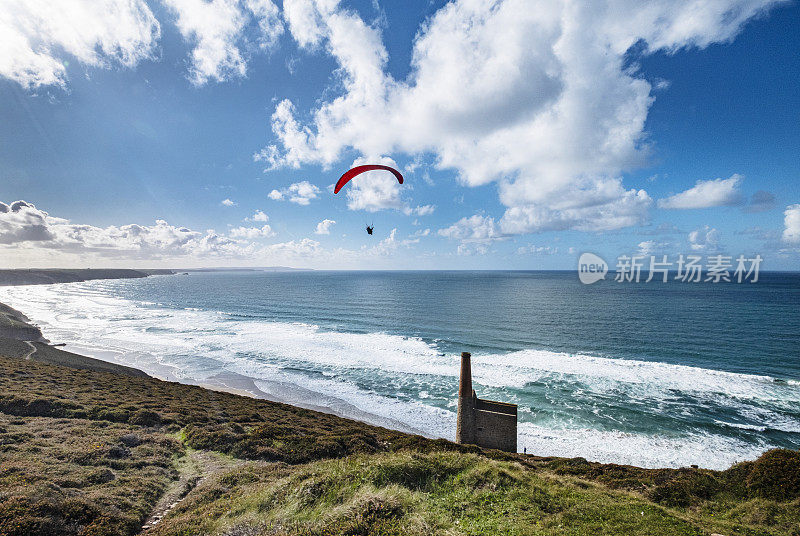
526,135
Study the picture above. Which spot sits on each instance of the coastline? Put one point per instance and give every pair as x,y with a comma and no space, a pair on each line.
21,329
19,337
347,373
183,458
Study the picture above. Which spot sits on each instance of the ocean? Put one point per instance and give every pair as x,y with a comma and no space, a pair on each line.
654,375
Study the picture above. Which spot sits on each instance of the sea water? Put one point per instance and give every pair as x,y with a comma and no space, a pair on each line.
656,375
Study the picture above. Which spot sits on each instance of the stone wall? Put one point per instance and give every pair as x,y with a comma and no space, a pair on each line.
496,430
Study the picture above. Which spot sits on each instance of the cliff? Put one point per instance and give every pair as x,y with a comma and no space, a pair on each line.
15,325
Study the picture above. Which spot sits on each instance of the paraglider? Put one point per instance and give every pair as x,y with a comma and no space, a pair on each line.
358,170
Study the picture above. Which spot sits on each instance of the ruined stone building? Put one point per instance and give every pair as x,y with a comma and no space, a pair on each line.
484,423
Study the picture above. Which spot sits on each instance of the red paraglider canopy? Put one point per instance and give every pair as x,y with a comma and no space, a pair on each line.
358,170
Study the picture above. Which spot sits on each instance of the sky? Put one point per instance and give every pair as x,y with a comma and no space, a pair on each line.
188,133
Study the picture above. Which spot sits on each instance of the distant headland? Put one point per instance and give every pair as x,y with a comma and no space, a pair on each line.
47,276
61,275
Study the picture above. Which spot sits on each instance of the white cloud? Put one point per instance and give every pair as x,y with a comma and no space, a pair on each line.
38,37
608,206
23,226
227,203
391,243
387,245
420,233
373,192
30,236
472,248
22,222
259,216
704,239
652,247
252,233
791,233
216,30
531,249
270,25
324,227
647,247
475,229
302,193
295,248
423,210
707,194
542,101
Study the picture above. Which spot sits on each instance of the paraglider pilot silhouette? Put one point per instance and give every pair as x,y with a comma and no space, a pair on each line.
358,170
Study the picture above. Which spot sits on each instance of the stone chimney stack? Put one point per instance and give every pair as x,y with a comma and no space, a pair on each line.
465,426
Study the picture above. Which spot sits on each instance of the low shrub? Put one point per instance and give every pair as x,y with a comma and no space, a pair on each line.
775,475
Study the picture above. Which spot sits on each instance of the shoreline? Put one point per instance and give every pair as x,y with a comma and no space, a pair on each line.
197,460
161,362
226,382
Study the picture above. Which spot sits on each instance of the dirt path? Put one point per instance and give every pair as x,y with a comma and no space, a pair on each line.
33,350
192,469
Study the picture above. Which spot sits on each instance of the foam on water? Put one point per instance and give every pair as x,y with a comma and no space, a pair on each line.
406,381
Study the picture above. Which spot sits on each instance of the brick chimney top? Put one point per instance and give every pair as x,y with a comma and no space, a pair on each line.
465,383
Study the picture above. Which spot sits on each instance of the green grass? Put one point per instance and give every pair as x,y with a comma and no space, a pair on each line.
435,493
69,465
74,476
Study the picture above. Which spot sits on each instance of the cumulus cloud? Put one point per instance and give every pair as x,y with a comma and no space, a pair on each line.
707,194
258,216
475,233
30,236
791,221
324,227
21,222
607,207
227,203
37,37
252,233
373,192
216,30
541,101
22,226
704,239
300,192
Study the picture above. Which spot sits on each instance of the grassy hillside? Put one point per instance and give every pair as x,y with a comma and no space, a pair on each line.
93,453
